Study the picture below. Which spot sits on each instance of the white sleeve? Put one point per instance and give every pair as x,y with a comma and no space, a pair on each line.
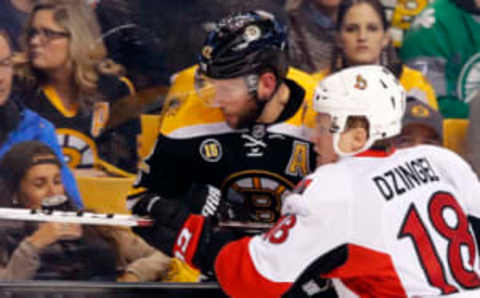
313,230
461,174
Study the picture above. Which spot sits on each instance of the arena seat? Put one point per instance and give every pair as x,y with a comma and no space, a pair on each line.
105,194
454,133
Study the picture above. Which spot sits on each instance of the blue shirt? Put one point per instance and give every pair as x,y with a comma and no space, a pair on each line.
32,127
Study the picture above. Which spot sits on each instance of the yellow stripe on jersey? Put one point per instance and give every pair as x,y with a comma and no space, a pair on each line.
129,84
53,97
183,108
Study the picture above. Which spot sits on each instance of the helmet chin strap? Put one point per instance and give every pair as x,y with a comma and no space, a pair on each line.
252,81
336,147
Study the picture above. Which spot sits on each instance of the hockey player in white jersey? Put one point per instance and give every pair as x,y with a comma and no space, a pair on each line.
379,222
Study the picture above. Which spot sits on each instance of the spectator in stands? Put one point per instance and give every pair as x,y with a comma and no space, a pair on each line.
132,45
362,38
420,125
30,173
13,16
312,33
18,123
401,14
179,28
30,178
76,88
443,44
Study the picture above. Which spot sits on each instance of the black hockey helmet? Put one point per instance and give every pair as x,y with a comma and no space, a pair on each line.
244,43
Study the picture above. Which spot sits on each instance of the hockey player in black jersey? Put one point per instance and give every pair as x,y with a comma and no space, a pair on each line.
242,132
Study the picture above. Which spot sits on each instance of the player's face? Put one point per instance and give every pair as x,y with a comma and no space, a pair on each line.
40,181
416,134
48,43
6,70
238,106
323,140
362,36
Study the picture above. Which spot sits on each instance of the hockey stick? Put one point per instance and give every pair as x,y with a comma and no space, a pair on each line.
244,225
109,219
78,217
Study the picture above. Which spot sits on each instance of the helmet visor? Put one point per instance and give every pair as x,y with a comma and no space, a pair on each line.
217,93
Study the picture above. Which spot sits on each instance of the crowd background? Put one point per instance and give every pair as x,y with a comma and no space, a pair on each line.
147,43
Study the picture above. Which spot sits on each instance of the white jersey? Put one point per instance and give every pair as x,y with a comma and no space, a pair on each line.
380,226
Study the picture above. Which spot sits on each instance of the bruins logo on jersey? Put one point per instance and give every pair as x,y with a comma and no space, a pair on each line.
255,196
79,150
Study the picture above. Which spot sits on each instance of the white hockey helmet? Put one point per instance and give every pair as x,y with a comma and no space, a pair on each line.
371,91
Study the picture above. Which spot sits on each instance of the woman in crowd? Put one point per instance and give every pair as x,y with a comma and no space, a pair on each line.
362,38
75,85
19,124
30,178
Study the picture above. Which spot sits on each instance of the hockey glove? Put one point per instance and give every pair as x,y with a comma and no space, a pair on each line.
175,232
169,216
203,199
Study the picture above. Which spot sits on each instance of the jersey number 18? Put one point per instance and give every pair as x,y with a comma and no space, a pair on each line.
458,236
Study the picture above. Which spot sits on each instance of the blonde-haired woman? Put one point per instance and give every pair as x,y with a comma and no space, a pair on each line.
75,84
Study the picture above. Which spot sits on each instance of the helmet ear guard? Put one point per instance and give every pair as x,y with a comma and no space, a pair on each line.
370,91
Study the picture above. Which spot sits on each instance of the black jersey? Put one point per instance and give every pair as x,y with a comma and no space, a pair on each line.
253,167
82,138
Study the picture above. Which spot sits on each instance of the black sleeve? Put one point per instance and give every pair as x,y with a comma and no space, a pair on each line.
112,87
118,145
169,170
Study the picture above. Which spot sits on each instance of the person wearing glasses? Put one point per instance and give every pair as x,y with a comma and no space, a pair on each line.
18,124
75,86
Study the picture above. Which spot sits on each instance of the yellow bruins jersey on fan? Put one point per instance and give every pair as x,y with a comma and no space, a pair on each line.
412,80
253,167
81,133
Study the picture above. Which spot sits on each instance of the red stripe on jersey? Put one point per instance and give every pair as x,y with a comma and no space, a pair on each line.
369,273
187,239
376,153
238,277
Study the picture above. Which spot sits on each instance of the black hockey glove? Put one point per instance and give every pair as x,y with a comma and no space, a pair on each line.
180,233
203,199
169,216
165,212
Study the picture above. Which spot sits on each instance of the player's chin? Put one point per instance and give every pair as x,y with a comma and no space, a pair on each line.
232,124
231,121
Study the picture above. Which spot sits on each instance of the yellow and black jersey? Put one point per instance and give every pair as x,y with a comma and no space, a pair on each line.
255,165
82,136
